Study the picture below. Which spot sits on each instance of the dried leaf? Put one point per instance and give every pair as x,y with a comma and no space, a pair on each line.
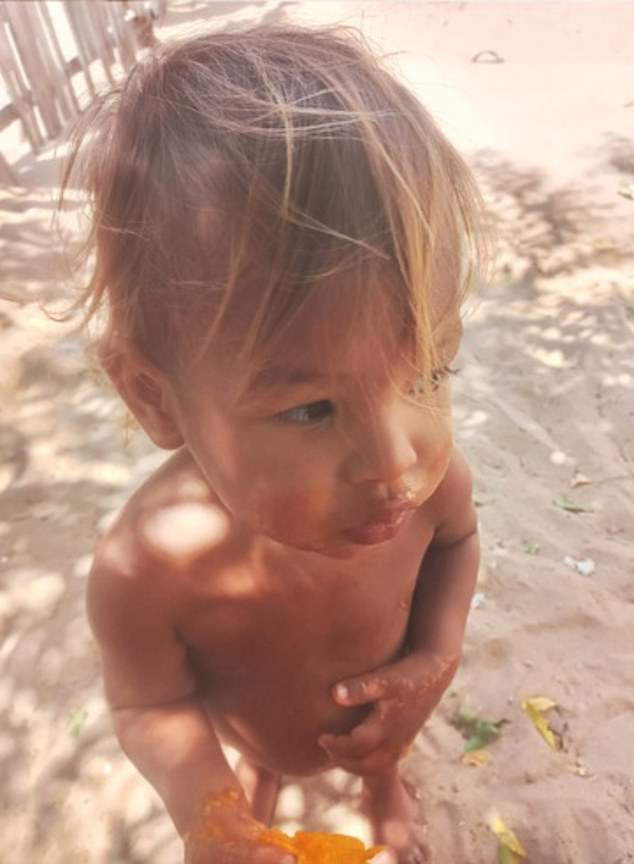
510,850
542,703
536,707
476,758
566,504
507,856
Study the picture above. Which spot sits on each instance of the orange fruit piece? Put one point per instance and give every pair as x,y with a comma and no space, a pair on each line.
315,847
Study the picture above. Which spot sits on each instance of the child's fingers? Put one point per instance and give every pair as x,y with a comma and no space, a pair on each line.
376,762
363,739
372,760
240,854
271,855
361,690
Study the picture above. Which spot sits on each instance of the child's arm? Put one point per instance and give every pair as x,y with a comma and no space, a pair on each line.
405,692
158,719
449,570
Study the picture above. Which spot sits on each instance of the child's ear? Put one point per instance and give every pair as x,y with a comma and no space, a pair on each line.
146,391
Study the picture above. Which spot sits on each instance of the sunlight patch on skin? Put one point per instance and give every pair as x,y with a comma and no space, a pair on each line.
411,492
184,532
192,488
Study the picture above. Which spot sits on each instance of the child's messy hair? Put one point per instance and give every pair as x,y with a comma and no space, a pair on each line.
274,156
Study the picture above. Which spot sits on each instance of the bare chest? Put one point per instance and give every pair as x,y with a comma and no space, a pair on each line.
269,642
302,616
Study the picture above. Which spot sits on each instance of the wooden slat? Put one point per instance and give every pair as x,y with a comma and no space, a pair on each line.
38,78
9,114
125,41
73,14
98,25
8,171
87,16
17,86
64,78
27,34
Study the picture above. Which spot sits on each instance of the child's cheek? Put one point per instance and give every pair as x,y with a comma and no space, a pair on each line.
292,516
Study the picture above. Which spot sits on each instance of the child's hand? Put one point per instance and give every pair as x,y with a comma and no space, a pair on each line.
404,695
215,853
228,834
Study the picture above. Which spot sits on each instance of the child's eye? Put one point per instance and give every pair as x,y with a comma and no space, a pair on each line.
304,415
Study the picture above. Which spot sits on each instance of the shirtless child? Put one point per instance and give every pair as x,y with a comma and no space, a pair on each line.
283,242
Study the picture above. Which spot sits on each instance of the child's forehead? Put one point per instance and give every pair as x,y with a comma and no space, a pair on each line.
336,317
346,326
328,329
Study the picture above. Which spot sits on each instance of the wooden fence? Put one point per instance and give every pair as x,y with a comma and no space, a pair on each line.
52,56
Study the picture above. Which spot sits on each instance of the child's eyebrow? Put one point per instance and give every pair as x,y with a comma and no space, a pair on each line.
282,376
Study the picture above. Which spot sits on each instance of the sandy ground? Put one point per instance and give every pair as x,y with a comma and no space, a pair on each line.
544,410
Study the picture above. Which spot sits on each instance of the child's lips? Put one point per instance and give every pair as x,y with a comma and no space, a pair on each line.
380,528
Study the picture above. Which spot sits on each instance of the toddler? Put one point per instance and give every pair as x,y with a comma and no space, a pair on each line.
283,241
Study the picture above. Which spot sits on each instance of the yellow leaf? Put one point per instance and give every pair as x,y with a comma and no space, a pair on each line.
541,703
477,758
507,856
510,848
535,708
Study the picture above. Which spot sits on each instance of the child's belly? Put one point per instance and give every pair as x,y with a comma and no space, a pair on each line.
276,722
268,658
271,695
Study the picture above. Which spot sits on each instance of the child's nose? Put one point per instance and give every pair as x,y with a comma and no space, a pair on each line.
382,450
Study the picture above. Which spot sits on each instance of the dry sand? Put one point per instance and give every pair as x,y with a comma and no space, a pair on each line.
546,395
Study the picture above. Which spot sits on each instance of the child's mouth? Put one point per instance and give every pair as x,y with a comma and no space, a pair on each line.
381,528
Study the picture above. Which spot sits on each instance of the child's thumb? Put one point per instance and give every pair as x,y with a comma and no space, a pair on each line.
273,856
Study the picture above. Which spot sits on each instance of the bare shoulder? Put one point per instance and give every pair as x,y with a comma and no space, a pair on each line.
451,507
177,518
170,522
138,585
